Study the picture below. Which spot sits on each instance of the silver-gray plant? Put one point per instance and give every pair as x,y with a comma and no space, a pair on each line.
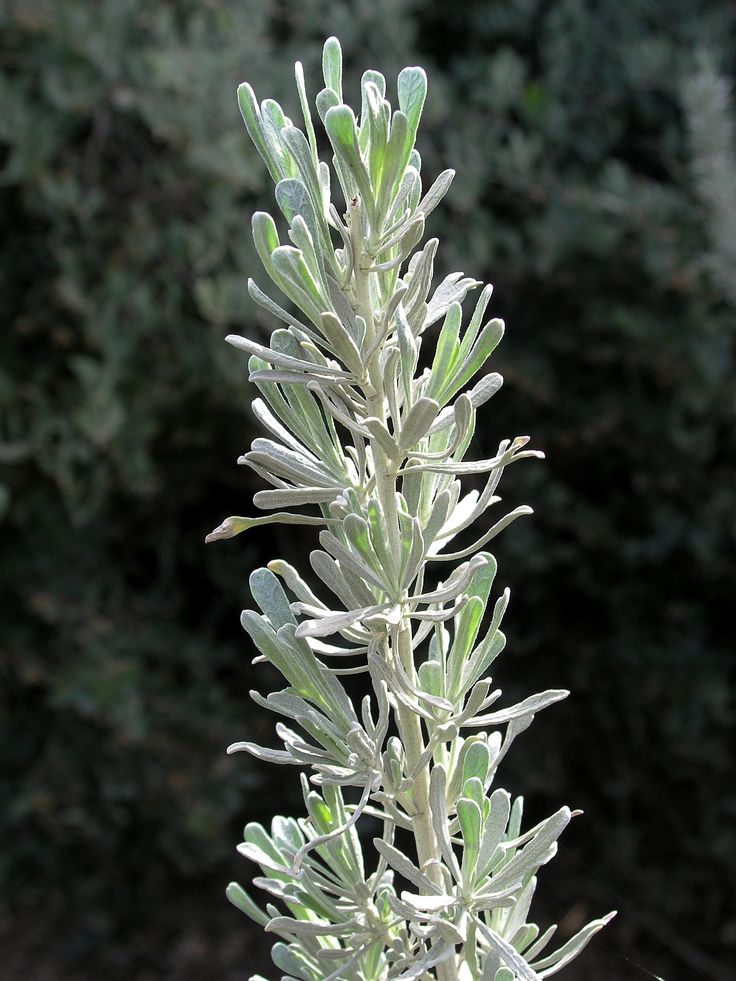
373,444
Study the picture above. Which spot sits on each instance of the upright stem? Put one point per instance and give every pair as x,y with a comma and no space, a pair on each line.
410,730
409,724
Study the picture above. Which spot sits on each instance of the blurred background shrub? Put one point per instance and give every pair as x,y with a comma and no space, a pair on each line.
596,187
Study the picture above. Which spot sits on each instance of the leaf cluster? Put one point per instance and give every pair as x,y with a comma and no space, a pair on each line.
361,432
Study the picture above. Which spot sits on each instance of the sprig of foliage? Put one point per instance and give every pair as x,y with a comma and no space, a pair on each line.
373,444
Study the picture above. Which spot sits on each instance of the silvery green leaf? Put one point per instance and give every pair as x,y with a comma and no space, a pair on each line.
235,525
345,313
485,389
294,198
522,937
293,377
476,761
269,594
376,79
265,238
462,417
326,99
268,304
382,437
438,952
499,526
300,667
273,121
471,822
487,342
240,898
412,557
509,954
404,866
411,236
293,580
349,560
437,518
452,289
309,172
299,468
269,421
284,360
266,500
302,238
309,929
275,756
342,343
446,351
357,532
342,131
330,736
431,679
513,453
336,409
535,853
412,91
475,321
399,687
304,105
296,409
515,927
472,506
437,791
494,830
417,422
428,904
252,118
454,585
293,960
387,322
421,268
390,363
335,579
333,623
504,974
436,192
332,65
327,752
407,236
529,706
374,125
408,352
380,538
392,161
295,278
441,616
555,962
409,186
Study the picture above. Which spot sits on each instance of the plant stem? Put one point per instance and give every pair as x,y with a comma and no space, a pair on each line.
409,724
410,729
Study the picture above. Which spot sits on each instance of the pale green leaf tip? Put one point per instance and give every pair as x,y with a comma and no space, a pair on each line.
229,528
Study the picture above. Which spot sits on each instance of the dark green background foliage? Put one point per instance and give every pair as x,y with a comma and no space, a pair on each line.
126,187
